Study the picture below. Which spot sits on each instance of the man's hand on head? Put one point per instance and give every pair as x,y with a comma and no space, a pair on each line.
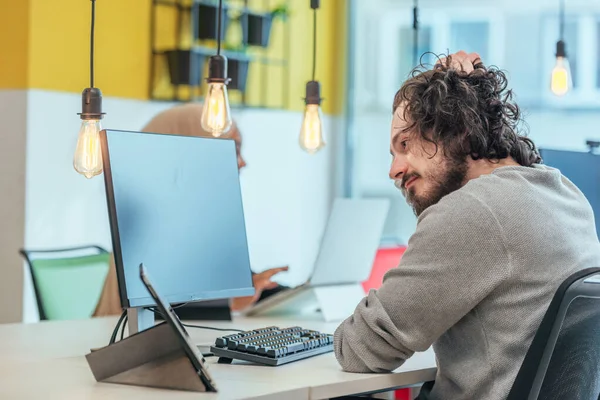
461,61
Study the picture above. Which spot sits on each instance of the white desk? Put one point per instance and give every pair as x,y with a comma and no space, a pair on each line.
46,360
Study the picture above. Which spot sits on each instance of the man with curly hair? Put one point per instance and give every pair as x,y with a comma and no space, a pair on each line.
497,233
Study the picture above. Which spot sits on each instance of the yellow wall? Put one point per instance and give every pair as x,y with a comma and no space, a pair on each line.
335,53
60,45
48,48
331,52
14,37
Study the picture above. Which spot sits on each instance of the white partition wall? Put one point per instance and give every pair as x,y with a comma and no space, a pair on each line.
287,193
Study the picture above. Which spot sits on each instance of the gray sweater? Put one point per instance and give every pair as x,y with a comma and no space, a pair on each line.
475,281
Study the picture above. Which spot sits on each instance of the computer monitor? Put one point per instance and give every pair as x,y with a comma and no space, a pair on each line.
175,205
583,169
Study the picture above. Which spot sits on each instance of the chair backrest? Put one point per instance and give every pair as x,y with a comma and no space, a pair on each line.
563,361
67,282
385,259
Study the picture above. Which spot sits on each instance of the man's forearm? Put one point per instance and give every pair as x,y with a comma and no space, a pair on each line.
368,341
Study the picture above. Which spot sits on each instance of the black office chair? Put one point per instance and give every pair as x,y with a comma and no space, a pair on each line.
563,361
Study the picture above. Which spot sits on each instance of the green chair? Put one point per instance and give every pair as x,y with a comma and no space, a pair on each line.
67,282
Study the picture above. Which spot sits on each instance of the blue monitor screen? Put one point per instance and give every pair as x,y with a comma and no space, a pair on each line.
175,205
583,169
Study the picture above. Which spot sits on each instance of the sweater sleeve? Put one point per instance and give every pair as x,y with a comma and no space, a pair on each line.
455,258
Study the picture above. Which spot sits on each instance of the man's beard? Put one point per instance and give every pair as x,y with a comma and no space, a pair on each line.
446,180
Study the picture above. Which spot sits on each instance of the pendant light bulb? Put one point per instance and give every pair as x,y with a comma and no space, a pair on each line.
216,114
88,155
311,132
87,159
561,81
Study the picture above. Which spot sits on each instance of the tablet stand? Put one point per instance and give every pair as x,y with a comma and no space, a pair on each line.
152,358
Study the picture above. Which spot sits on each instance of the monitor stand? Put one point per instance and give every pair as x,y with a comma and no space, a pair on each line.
139,319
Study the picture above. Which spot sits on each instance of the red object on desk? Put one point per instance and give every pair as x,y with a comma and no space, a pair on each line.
386,259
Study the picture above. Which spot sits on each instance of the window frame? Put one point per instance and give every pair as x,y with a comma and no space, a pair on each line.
385,80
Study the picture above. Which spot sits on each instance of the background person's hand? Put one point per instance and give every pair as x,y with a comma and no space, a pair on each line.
261,281
462,61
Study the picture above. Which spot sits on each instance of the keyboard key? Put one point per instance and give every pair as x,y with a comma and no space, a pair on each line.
263,350
232,344
273,353
292,348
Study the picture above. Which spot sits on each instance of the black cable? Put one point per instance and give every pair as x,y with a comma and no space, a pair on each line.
415,32
122,323
219,27
212,328
314,69
562,19
92,44
123,327
116,330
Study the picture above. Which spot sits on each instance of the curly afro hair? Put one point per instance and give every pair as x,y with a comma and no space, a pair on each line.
465,113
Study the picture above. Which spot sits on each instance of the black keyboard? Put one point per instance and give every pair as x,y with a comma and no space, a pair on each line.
272,345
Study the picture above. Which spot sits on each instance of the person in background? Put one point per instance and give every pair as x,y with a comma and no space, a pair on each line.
497,233
185,120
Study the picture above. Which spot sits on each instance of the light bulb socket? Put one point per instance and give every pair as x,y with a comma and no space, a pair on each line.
313,93
314,4
217,69
561,49
415,18
91,104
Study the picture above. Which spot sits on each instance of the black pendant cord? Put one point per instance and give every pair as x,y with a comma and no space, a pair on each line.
415,32
91,97
562,19
313,95
92,44
219,27
314,68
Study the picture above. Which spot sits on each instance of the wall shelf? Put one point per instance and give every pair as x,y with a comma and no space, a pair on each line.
178,70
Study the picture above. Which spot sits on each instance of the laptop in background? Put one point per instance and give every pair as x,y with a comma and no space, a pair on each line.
345,258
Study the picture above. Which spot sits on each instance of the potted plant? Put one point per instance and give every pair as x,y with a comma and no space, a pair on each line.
237,69
247,29
185,67
206,27
258,26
